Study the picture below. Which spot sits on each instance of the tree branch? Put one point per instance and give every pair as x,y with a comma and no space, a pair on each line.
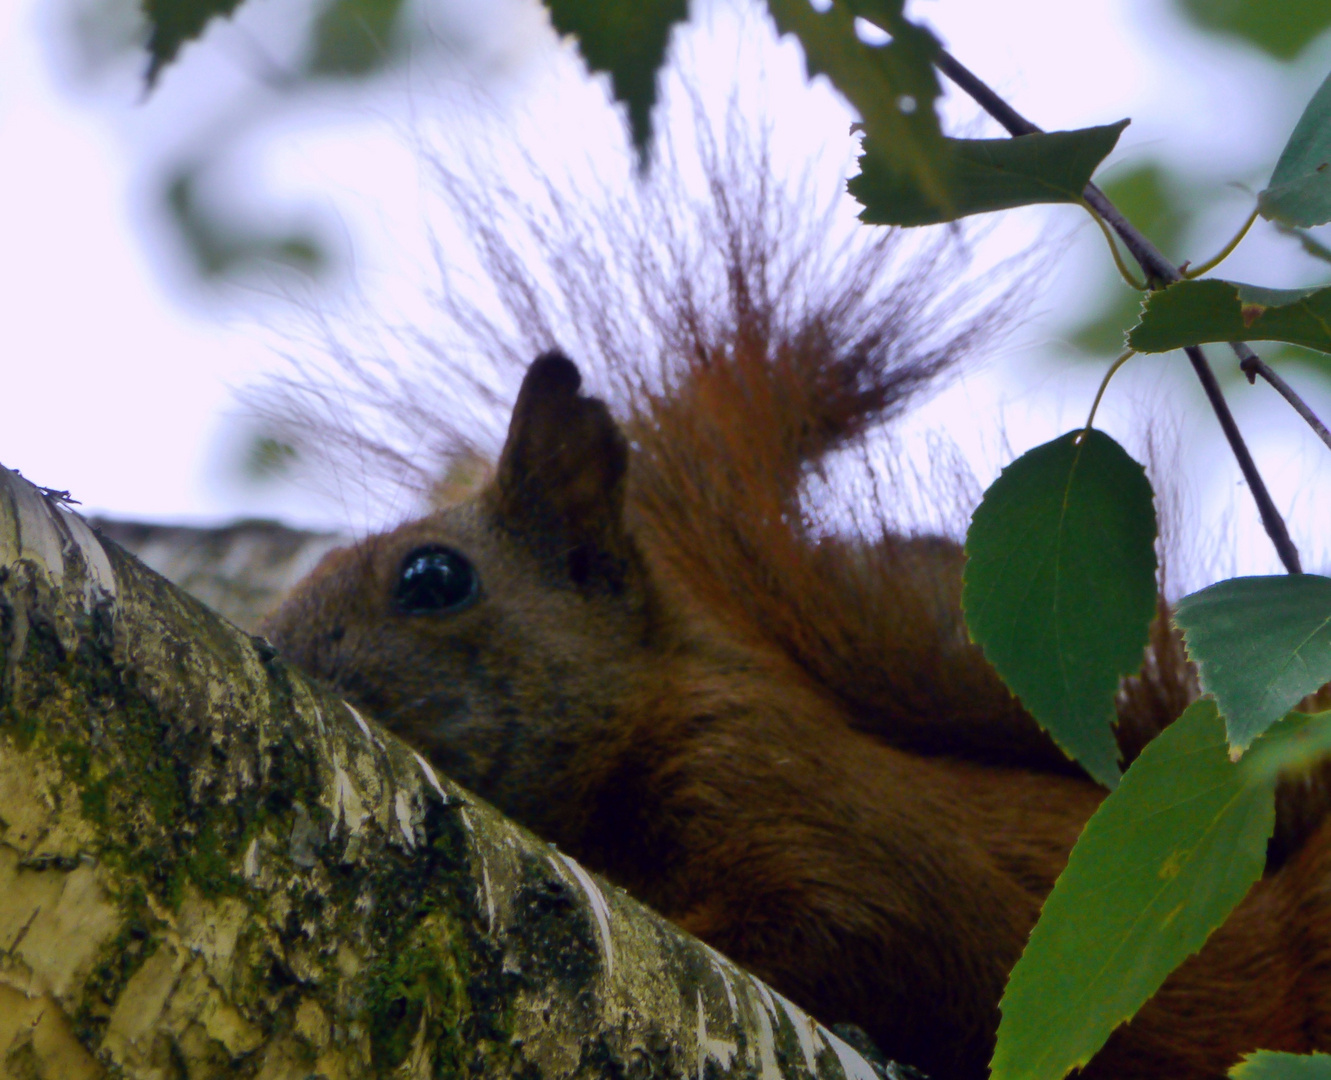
1271,519
1253,365
210,867
1159,271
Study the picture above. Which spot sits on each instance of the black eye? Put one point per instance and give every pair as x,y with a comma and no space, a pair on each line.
435,580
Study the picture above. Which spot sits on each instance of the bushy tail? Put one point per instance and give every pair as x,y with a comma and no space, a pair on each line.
726,440
724,447
752,401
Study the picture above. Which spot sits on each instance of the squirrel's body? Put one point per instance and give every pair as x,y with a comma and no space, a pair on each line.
784,744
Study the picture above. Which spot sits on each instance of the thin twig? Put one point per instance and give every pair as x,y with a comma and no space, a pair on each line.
989,101
1159,271
1271,519
1253,365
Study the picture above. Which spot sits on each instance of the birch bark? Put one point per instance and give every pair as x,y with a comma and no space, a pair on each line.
211,868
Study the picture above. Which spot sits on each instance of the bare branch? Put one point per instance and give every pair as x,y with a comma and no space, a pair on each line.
1253,365
1159,271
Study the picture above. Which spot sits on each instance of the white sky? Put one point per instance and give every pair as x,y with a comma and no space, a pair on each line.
118,378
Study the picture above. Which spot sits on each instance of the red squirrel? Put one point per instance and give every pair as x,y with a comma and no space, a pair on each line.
632,642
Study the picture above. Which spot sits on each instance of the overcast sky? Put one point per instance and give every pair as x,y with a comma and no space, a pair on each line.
119,374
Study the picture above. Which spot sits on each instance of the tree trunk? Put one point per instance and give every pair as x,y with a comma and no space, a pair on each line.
209,867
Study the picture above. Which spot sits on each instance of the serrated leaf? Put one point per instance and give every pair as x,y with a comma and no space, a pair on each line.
1276,1065
627,39
1281,31
354,37
173,23
987,174
893,87
1299,192
1261,644
1159,866
1195,312
1059,587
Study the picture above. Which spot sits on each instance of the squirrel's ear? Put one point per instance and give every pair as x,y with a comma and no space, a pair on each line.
562,474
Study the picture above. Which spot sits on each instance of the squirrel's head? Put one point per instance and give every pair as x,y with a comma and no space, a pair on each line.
490,634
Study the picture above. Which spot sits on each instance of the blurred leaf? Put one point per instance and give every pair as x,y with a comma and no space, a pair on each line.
102,33
354,37
1261,645
1059,587
1195,312
1308,745
1107,332
175,22
1158,867
1310,244
1281,28
1300,189
1274,1065
893,87
1150,198
220,249
268,458
986,174
628,39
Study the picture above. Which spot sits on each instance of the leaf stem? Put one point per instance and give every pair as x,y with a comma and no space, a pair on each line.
1159,271
1224,253
1140,286
1104,383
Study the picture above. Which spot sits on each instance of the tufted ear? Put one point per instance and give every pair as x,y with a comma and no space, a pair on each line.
562,474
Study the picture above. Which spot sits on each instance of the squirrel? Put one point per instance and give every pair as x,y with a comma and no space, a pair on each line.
786,746
633,641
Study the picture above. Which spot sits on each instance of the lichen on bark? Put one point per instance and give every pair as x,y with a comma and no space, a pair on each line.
209,867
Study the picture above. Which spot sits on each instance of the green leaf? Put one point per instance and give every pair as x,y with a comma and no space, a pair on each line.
985,175
1307,746
1158,867
628,39
1059,587
174,22
1281,31
1233,311
1273,1065
893,87
1300,189
1261,644
1194,312
354,37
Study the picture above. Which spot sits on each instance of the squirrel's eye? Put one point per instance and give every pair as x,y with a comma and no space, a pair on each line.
435,580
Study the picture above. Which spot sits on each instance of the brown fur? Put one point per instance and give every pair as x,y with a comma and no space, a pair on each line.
786,744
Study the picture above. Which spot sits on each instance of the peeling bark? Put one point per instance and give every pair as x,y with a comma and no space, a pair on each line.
209,867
